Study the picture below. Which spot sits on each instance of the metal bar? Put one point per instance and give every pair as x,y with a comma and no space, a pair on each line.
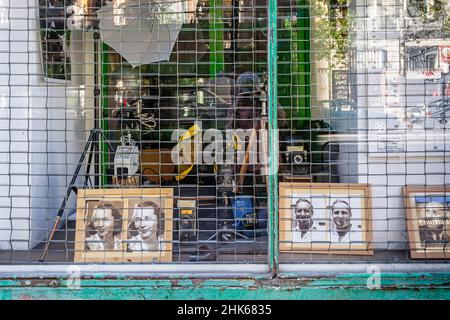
216,53
215,270
150,270
273,137
288,270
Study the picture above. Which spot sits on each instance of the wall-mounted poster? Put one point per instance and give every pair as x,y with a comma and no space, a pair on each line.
340,84
424,62
428,221
325,218
412,117
55,40
426,19
131,225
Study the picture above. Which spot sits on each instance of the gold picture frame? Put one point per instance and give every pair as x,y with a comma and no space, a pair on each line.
117,233
325,218
428,221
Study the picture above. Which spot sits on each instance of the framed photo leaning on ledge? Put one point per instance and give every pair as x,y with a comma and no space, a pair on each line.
327,218
124,225
428,223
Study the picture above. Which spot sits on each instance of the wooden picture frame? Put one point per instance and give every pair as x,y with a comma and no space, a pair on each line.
137,213
325,218
428,221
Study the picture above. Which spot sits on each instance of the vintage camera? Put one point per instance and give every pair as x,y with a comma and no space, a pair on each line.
187,225
126,158
225,179
297,157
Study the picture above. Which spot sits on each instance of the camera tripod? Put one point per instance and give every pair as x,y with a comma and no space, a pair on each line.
91,147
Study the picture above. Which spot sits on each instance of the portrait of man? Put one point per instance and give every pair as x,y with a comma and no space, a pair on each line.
342,215
145,228
304,227
104,229
343,230
427,210
432,223
320,219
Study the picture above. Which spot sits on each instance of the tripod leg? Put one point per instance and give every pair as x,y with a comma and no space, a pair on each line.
64,202
111,149
47,245
88,164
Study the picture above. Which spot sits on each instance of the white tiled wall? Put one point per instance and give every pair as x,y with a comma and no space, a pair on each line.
41,131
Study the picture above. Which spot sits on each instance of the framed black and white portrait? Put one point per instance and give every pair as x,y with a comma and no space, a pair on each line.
104,226
325,218
149,227
131,225
428,221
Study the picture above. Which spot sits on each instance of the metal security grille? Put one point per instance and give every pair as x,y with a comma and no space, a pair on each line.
224,131
130,86
375,133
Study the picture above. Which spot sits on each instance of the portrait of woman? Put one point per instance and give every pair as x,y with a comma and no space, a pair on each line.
104,229
146,227
124,225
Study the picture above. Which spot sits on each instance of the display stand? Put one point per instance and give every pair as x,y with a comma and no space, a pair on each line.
91,147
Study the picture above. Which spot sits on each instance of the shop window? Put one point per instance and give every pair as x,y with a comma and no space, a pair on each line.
181,132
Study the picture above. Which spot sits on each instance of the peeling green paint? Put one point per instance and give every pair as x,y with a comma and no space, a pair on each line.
349,286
